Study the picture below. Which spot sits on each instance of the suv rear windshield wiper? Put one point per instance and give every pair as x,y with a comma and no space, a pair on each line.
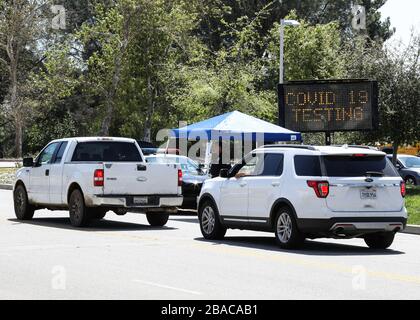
374,174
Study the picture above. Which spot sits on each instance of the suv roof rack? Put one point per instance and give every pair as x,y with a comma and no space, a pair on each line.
295,146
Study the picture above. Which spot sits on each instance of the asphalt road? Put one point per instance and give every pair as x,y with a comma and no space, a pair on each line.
124,258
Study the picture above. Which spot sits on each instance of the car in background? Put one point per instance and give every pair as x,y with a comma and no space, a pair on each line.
193,176
409,168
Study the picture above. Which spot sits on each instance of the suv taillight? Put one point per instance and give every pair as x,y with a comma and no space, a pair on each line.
179,177
98,178
321,188
403,189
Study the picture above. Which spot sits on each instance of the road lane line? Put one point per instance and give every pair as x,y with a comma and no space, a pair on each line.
167,287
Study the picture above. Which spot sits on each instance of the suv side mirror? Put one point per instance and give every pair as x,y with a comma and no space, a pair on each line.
224,173
398,166
28,162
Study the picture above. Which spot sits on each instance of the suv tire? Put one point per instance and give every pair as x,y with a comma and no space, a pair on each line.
286,230
157,219
97,213
210,225
381,240
23,209
79,213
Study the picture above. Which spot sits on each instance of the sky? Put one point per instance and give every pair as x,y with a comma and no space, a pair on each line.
404,15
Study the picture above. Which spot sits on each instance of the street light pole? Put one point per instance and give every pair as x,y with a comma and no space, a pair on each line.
281,72
284,23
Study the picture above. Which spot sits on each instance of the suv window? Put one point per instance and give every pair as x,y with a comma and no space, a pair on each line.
309,166
106,151
264,164
346,166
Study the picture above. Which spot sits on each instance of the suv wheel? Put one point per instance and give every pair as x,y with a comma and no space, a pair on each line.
379,240
157,219
210,225
23,209
79,215
286,231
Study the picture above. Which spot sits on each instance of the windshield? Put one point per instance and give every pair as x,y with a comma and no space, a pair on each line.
187,165
410,162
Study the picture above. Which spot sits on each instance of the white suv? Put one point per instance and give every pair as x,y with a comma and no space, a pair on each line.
307,192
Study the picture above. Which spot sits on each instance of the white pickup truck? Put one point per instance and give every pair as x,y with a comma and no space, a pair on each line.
91,176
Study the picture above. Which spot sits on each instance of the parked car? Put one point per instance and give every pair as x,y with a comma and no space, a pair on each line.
301,192
192,176
409,168
90,176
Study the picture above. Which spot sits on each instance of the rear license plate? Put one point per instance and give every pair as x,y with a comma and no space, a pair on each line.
140,200
368,194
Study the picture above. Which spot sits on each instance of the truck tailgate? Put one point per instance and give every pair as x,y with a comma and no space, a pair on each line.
130,178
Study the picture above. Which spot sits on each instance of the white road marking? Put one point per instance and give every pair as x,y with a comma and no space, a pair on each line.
167,287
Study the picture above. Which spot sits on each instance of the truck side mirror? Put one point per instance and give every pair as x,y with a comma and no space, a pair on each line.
28,162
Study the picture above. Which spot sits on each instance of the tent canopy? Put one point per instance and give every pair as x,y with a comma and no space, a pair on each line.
236,124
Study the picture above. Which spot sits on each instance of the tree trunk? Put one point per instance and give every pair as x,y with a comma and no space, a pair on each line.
394,152
15,108
18,136
150,110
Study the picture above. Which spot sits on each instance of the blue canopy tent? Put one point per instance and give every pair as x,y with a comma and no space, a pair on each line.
236,125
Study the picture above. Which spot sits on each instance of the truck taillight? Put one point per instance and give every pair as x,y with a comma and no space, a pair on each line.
98,178
321,188
179,177
403,189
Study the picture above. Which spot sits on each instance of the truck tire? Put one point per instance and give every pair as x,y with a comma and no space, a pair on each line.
120,211
97,213
381,240
23,209
210,225
288,235
157,219
79,213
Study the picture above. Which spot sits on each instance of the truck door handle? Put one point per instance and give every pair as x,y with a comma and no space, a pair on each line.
242,184
141,167
275,184
47,172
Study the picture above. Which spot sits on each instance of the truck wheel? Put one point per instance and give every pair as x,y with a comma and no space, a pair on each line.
210,225
286,231
157,219
97,213
379,240
79,214
23,209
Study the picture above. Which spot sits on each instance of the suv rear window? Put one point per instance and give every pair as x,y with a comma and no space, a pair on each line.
309,166
347,166
107,151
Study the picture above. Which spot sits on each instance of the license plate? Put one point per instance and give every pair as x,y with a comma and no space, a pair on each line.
140,200
368,195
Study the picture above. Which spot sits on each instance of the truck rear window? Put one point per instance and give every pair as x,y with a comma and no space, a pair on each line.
106,151
350,166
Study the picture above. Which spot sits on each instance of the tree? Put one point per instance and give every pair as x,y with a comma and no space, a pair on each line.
19,27
397,71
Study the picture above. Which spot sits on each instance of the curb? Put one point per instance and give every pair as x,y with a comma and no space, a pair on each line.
6,187
411,229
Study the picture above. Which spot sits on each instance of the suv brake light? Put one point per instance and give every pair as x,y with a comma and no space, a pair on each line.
403,189
98,178
179,177
321,188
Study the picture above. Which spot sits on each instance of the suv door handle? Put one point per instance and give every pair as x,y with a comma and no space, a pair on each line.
141,167
242,184
47,172
275,183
